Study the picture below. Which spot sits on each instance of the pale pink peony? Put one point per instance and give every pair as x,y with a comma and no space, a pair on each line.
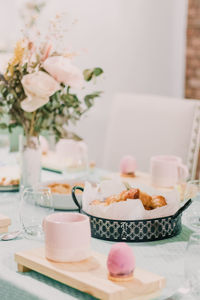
38,87
63,71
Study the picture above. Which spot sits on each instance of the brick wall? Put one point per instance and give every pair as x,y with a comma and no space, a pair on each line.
192,76
192,72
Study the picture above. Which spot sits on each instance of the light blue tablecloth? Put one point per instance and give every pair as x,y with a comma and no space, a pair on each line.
165,258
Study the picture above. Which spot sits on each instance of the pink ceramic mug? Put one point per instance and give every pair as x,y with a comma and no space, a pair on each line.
167,170
67,237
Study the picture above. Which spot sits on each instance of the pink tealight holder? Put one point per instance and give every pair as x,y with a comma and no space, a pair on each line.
128,165
67,237
120,262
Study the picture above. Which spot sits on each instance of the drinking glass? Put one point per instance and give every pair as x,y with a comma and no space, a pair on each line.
192,265
36,203
77,170
4,142
192,215
75,163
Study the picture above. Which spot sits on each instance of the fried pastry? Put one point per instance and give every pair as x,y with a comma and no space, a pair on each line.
147,208
149,202
112,199
158,201
123,196
130,194
96,202
146,199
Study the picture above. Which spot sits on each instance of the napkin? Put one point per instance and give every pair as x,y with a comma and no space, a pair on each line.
132,209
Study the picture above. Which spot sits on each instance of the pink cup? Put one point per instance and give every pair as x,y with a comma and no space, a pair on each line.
167,170
67,237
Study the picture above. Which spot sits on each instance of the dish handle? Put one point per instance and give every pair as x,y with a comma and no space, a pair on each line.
184,207
79,205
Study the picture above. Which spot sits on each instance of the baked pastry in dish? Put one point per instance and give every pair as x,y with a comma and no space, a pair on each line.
123,196
149,202
63,188
5,182
158,201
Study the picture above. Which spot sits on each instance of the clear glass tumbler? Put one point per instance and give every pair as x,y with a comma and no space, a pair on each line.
75,160
192,215
192,265
36,203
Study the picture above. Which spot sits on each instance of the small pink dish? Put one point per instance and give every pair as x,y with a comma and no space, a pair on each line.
67,237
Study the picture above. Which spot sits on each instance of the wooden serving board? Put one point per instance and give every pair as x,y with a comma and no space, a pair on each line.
4,223
91,276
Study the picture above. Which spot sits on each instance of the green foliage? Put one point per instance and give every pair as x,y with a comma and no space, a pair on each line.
89,99
3,126
63,107
11,94
92,73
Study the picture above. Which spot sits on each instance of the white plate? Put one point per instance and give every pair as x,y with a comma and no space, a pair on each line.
9,188
64,201
9,172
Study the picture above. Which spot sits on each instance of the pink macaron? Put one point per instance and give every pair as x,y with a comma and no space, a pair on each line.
121,262
128,165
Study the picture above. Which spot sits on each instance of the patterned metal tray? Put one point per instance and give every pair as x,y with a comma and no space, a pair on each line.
134,230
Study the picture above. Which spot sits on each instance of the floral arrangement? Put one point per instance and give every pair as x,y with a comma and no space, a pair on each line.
39,89
30,10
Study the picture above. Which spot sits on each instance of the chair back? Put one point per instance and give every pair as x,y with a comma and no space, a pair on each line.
144,126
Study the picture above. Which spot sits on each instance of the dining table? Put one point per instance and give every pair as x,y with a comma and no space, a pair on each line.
165,257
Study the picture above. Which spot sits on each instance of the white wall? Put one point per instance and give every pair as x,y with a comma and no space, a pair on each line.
140,44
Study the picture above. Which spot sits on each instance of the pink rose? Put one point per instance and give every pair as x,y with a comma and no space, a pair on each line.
38,87
63,71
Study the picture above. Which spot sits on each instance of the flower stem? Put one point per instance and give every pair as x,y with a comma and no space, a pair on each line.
32,123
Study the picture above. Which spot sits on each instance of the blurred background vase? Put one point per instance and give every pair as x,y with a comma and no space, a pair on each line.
192,216
30,161
192,266
74,157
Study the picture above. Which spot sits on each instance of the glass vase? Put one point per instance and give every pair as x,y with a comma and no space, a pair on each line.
30,162
73,156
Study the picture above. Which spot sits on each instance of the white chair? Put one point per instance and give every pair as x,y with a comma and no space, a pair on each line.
92,128
144,126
